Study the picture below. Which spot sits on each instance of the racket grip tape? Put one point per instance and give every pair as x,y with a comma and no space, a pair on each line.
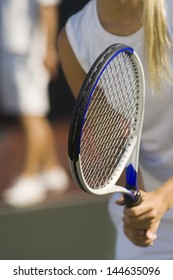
136,200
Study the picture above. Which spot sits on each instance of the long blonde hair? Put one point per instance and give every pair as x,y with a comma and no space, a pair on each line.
156,40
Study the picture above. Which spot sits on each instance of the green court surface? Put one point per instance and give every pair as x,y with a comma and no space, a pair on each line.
74,227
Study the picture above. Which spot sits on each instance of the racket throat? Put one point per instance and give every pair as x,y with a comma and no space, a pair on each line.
134,197
131,178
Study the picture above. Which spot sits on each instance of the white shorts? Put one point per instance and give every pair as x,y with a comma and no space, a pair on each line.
23,86
124,248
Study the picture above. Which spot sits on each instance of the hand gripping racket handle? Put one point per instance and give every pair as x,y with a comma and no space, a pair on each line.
133,201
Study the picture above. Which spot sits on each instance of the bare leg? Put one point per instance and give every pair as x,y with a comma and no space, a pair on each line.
40,152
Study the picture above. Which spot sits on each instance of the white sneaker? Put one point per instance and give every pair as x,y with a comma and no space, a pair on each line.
26,191
55,180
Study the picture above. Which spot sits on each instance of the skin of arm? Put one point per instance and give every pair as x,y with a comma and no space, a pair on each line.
49,18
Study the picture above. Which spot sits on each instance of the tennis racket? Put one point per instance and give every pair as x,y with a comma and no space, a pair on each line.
106,124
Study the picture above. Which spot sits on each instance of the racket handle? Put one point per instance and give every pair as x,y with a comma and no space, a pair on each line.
136,200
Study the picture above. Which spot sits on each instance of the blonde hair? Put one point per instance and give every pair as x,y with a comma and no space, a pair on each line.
156,40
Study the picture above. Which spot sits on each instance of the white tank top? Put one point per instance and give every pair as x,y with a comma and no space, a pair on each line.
88,39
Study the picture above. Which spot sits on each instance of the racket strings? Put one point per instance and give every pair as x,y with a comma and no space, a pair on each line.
130,82
109,121
97,132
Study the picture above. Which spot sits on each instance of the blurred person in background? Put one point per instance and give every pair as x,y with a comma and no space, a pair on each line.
28,60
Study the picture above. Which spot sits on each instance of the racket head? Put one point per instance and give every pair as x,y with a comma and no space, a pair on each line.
102,109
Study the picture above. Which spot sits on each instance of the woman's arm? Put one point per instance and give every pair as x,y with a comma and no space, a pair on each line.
73,72
141,222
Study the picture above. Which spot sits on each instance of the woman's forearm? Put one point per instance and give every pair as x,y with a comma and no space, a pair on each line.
166,191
